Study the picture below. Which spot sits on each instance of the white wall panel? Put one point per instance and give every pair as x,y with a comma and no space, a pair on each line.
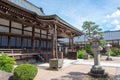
16,31
16,25
28,28
4,29
4,22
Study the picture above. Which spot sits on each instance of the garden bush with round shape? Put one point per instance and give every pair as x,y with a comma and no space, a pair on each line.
6,63
25,72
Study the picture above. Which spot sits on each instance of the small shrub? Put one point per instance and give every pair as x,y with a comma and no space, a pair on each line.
112,54
6,63
81,54
25,72
115,52
88,49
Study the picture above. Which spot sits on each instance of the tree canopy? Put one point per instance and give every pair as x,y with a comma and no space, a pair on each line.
89,27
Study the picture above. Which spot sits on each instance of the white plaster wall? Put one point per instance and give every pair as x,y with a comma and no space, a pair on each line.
37,35
4,29
37,30
4,22
16,31
16,25
28,33
43,32
28,28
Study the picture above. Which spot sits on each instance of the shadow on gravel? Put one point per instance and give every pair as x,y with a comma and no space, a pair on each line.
11,78
81,76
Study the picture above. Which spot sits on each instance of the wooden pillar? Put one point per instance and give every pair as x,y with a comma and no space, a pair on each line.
33,38
22,37
54,42
52,46
10,24
71,44
118,43
47,45
40,42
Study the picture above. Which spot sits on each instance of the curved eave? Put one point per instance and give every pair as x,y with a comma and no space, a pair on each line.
59,20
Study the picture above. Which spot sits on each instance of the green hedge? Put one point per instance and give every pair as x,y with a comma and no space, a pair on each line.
25,72
6,63
81,54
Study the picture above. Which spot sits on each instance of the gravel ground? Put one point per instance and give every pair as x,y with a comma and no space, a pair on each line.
5,76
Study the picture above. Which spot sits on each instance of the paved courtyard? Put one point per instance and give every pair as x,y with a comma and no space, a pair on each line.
76,70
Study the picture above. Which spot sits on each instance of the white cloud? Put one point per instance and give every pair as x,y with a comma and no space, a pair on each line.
114,14
117,27
116,22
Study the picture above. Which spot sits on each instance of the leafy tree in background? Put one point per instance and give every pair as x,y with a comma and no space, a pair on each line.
89,27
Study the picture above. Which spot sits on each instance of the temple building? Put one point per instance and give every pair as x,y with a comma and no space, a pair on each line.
111,37
26,32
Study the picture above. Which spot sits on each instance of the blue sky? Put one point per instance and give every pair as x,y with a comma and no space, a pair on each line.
105,13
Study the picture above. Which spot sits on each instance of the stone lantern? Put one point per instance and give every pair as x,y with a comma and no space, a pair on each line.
96,70
108,52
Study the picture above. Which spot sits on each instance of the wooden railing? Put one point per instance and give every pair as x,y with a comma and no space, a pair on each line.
11,51
24,54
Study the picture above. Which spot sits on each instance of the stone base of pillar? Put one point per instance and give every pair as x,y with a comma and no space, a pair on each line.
108,59
56,64
97,71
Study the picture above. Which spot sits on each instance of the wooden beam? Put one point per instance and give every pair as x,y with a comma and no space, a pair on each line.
63,35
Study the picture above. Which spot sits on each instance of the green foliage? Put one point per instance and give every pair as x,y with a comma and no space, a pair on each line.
115,52
6,63
91,56
112,54
103,43
88,49
89,27
81,54
25,72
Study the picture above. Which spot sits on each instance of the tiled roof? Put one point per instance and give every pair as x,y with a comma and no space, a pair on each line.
27,5
108,35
